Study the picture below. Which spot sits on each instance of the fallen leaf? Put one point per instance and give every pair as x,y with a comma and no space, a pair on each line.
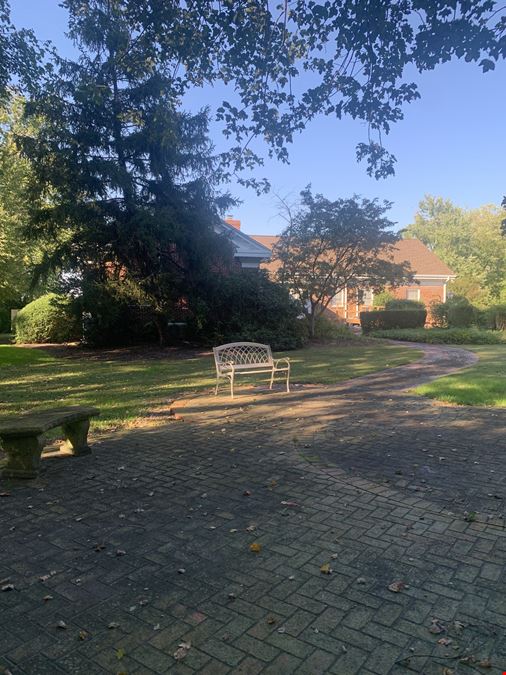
47,598
271,620
448,671
485,663
182,650
120,552
436,627
325,569
5,494
289,503
99,547
181,570
251,528
83,635
120,653
113,624
7,587
397,586
247,493
62,625
445,641
255,547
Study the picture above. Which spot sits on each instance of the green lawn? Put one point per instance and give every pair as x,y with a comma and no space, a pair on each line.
481,384
124,390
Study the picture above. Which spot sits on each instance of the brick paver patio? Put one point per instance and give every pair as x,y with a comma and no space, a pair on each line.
118,559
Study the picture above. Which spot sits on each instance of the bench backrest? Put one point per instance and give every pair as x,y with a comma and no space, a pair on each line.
243,355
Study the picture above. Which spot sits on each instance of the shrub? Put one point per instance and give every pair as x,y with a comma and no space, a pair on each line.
455,336
496,317
399,303
392,318
461,314
113,316
247,306
47,319
381,299
456,312
5,320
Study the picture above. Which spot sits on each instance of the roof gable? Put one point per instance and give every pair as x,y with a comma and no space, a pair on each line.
245,246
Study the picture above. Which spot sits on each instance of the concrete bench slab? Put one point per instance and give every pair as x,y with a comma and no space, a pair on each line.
21,437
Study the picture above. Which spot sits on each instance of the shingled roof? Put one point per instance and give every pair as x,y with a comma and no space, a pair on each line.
422,260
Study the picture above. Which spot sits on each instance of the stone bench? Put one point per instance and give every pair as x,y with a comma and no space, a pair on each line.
21,437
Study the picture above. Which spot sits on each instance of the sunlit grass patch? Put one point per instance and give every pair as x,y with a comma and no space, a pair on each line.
483,384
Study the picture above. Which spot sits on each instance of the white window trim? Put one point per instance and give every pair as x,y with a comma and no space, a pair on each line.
410,290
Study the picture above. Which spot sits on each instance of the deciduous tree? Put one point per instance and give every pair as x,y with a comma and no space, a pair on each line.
470,242
329,245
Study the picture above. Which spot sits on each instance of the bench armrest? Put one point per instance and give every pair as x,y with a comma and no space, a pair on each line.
284,358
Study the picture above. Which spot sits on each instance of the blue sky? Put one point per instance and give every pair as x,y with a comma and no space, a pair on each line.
452,141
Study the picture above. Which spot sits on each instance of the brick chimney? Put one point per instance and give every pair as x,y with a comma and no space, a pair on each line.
233,222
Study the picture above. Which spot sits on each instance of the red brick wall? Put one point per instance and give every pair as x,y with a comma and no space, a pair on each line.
427,295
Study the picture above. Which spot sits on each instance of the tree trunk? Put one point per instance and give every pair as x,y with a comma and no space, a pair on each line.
312,323
162,330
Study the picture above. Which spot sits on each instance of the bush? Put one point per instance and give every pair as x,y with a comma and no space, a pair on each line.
399,303
5,320
496,317
451,336
247,306
456,312
113,316
461,314
381,299
392,318
47,319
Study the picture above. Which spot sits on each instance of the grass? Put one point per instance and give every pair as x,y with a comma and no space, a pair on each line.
483,384
125,389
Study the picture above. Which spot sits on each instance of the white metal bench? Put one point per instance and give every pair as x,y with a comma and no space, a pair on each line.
245,358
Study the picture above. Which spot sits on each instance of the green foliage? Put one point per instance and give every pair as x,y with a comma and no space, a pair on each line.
114,315
455,336
399,303
385,319
330,244
47,319
247,306
125,183
380,299
20,55
5,320
470,242
496,317
18,255
461,314
456,312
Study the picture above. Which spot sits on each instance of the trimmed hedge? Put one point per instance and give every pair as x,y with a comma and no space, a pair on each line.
400,303
451,336
392,318
47,319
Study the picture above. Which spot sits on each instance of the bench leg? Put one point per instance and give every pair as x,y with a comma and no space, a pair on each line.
288,380
76,435
23,456
272,380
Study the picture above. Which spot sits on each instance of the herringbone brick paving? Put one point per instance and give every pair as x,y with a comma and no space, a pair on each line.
145,546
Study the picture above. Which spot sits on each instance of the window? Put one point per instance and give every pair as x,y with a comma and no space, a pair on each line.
338,299
364,296
413,294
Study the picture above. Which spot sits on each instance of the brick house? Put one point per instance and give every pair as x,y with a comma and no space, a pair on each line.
431,276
